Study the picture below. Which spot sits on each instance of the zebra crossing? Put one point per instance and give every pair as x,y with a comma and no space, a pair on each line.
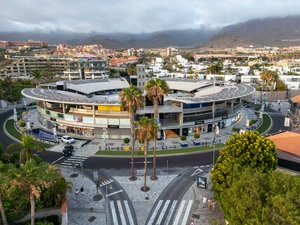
121,213
275,113
73,161
165,212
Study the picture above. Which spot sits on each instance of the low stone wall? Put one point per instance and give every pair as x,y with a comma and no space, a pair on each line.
41,214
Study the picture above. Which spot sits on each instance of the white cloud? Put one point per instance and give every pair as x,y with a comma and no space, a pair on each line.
135,16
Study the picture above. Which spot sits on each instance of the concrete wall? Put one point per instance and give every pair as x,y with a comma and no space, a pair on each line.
273,96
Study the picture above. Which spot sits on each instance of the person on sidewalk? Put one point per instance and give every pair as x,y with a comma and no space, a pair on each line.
204,200
82,191
76,193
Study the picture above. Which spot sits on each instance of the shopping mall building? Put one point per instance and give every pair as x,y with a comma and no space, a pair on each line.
91,108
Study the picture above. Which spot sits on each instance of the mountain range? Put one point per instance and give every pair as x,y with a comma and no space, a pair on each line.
275,31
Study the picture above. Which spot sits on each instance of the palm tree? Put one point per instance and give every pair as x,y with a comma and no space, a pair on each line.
4,185
156,89
33,178
26,147
131,100
266,78
37,75
146,131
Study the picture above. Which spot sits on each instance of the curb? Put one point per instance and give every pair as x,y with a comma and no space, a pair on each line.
270,127
8,134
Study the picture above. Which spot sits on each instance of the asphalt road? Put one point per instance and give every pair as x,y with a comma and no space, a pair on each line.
278,121
163,211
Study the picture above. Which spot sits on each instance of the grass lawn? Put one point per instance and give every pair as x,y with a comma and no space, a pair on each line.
265,125
13,132
161,152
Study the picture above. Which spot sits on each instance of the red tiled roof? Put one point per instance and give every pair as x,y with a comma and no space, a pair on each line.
287,141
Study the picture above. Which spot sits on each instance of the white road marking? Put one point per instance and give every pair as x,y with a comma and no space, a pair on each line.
69,164
163,211
121,212
187,212
106,182
78,157
116,192
171,212
179,212
155,212
197,171
57,160
128,213
113,212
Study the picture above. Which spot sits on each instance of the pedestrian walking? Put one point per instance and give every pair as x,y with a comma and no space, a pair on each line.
209,203
204,200
82,191
76,193
213,205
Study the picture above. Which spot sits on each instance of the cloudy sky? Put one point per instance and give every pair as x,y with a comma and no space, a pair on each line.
135,16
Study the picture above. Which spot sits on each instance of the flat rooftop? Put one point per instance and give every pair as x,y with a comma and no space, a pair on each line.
205,91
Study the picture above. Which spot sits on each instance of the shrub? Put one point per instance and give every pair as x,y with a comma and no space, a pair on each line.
256,109
235,129
252,122
126,140
196,135
183,138
22,124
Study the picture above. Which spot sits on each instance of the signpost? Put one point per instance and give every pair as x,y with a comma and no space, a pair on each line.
201,182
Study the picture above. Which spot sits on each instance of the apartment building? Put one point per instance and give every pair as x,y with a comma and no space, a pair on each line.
23,66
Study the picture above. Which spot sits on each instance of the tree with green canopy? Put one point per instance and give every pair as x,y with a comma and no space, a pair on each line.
258,198
248,149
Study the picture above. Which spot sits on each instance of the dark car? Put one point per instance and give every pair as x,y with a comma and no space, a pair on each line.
68,150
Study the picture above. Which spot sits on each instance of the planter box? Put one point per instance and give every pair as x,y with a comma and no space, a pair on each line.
183,144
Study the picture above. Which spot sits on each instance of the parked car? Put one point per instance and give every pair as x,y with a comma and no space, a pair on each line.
67,139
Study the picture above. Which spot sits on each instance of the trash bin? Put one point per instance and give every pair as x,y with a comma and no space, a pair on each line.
142,147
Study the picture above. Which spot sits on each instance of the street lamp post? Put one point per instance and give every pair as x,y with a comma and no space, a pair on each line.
107,208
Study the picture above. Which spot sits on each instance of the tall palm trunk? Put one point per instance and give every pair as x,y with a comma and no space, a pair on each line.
154,177
32,208
145,168
133,177
4,220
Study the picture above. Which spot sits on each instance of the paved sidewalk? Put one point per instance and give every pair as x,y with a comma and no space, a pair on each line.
85,210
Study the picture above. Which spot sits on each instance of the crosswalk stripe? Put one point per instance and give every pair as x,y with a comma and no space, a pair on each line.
70,159
69,164
155,212
106,182
163,211
187,212
78,157
113,212
171,212
179,212
128,213
121,212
